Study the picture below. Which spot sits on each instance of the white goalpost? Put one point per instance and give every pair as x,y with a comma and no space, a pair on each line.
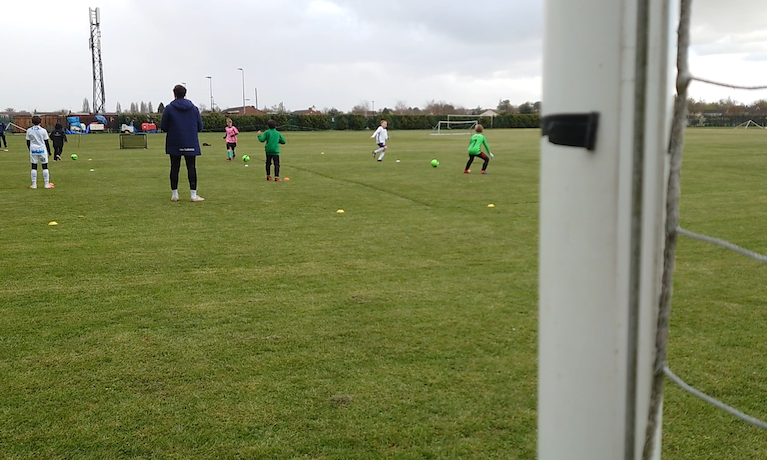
453,127
461,117
14,125
611,160
608,96
748,124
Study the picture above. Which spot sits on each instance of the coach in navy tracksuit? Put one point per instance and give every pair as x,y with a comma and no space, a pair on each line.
181,122
2,135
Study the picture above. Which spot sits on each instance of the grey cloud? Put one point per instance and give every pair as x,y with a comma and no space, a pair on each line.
302,52
729,27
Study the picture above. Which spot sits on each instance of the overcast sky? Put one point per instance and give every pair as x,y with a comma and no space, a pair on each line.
324,53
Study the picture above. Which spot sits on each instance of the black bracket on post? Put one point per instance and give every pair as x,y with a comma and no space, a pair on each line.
574,130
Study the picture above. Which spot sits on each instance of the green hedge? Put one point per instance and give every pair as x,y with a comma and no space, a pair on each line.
216,121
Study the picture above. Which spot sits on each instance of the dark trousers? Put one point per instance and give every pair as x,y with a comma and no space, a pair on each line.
191,170
57,149
273,159
481,155
2,136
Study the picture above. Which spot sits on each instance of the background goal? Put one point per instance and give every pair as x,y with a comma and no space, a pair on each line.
452,127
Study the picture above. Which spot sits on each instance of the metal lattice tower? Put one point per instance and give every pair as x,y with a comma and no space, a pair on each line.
98,71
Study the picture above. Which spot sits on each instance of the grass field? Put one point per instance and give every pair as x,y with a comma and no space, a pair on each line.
262,324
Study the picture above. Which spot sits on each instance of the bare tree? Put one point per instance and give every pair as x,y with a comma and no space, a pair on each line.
362,108
278,108
149,107
439,108
142,107
694,106
505,106
527,108
401,108
86,106
475,111
133,108
118,108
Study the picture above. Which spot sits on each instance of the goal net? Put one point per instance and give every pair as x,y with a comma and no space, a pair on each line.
452,127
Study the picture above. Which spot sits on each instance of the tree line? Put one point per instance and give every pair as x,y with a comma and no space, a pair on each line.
726,107
365,108
443,108
215,121
142,107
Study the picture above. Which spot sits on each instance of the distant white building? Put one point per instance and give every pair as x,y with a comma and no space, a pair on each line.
489,113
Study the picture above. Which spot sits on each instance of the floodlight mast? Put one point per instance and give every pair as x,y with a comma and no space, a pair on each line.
98,68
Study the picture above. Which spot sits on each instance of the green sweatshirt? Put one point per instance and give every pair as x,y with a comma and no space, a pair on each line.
273,139
476,143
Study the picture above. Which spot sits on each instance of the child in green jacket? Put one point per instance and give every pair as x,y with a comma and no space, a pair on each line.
273,139
475,150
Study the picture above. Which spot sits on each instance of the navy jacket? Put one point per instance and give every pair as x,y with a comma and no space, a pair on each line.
58,136
181,121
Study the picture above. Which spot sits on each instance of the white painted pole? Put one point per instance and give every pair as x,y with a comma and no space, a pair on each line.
243,88
210,81
601,225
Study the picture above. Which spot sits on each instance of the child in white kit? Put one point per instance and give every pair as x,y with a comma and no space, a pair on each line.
37,142
381,135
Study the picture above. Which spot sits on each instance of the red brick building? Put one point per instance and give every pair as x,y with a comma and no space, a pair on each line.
249,110
310,111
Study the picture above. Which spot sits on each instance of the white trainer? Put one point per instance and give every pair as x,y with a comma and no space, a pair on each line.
197,199
33,186
174,198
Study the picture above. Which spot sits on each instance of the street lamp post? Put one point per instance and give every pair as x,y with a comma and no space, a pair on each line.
374,108
243,88
210,80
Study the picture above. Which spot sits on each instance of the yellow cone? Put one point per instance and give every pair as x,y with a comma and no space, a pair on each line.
340,211
52,223
491,205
